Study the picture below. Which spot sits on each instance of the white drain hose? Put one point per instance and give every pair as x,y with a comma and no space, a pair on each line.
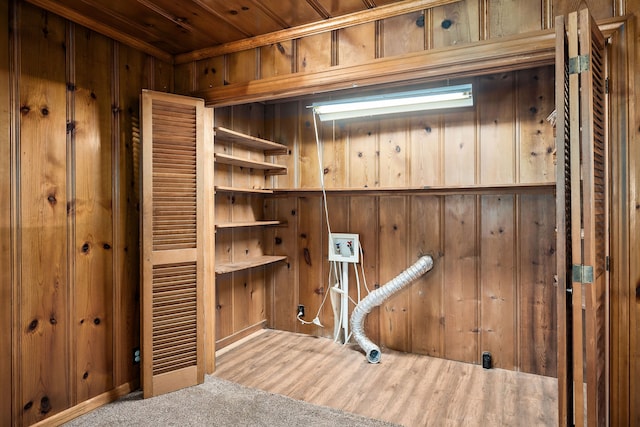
377,297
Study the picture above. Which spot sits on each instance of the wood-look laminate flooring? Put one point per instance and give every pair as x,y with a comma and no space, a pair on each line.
406,389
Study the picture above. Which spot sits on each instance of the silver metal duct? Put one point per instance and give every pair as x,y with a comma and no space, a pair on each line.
377,297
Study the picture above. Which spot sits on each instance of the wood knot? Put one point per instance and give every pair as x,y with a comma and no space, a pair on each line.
218,307
71,87
106,246
307,256
533,110
398,149
28,405
85,248
427,129
53,320
33,325
96,321
278,240
85,375
326,171
359,153
71,126
93,95
45,405
420,21
25,109
44,111
52,199
293,212
280,48
446,24
395,227
233,12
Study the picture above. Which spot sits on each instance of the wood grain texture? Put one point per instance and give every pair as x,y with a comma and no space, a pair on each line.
242,66
496,123
126,306
460,148
395,331
536,101
93,248
498,281
461,289
425,154
314,53
456,23
599,9
426,308
276,59
363,154
45,309
6,216
451,393
508,17
403,34
537,323
393,153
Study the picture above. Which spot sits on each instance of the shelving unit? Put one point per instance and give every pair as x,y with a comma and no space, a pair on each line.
267,148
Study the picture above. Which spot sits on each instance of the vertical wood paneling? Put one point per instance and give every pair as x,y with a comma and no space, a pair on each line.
184,78
209,72
334,143
537,292
460,148
242,66
6,183
460,284
403,34
495,104
284,289
498,284
425,151
357,44
224,305
507,17
455,23
44,300
281,126
310,277
361,221
126,268
308,150
427,326
536,100
393,235
93,204
276,59
363,154
339,218
242,302
162,75
314,53
599,9
393,148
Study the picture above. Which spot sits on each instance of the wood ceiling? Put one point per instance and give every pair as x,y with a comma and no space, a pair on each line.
169,27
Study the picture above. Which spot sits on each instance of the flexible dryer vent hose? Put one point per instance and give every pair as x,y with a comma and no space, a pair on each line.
377,297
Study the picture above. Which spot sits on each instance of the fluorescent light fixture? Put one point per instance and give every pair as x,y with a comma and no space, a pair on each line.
398,102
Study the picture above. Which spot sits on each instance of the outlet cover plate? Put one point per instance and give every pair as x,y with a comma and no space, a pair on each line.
344,247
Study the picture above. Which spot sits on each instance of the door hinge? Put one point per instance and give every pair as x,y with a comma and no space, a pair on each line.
607,263
578,64
606,85
582,273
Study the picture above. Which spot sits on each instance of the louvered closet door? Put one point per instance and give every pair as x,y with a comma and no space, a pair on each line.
172,255
582,220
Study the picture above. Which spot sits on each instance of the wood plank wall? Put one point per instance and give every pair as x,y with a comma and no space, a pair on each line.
459,309
72,236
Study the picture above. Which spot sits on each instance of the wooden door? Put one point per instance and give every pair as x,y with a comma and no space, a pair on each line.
172,242
582,191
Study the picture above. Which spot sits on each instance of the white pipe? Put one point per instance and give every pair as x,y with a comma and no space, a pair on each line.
377,297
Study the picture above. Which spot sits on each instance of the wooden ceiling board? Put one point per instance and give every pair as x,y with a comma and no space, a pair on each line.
244,17
291,13
166,28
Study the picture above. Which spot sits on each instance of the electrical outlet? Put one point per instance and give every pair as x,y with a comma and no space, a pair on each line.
344,247
136,355
300,310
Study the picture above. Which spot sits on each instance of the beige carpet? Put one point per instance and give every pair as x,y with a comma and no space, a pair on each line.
218,402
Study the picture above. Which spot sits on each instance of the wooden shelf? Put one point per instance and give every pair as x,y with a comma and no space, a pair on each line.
247,224
269,168
223,189
269,147
541,187
230,267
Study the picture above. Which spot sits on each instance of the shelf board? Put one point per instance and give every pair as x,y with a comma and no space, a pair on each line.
246,224
269,147
230,267
269,168
540,187
223,189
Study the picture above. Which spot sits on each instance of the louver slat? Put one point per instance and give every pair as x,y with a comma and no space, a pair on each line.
172,350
